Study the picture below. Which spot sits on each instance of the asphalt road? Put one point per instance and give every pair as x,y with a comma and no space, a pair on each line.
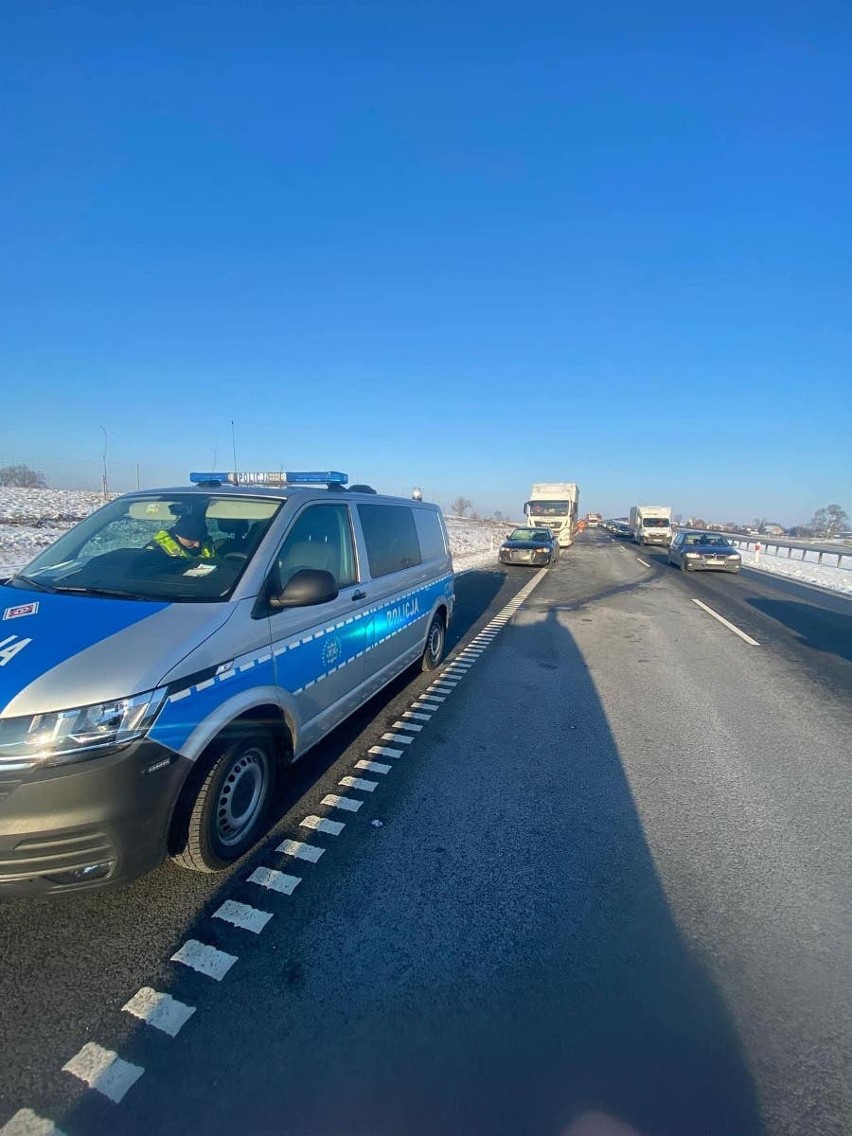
609,883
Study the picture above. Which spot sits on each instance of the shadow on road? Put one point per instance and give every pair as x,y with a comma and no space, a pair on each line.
498,959
819,628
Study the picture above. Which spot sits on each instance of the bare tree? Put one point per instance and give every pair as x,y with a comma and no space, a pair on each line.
22,477
829,521
460,506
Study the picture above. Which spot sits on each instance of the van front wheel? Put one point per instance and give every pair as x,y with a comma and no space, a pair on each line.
433,652
226,815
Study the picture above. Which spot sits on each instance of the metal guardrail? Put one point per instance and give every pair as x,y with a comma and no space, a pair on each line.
752,543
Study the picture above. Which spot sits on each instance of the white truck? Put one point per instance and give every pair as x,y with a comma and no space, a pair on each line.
651,524
555,505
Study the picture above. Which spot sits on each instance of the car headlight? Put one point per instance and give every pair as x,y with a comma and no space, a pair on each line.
734,556
692,555
64,736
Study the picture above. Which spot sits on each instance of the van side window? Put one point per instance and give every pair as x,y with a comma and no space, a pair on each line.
321,537
391,538
430,534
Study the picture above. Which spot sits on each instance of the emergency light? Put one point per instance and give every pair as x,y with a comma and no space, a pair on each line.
303,477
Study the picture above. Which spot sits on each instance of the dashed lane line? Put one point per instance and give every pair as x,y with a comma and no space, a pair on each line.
243,916
104,1071
400,739
335,801
322,824
373,766
359,783
25,1122
273,880
301,851
641,561
385,751
205,959
727,623
159,1010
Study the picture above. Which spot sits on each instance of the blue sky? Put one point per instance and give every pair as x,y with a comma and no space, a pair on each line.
460,246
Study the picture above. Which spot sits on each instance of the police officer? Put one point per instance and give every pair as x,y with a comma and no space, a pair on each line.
187,539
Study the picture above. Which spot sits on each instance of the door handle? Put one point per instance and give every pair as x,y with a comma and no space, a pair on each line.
359,595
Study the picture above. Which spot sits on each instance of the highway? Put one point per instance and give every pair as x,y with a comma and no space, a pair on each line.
604,890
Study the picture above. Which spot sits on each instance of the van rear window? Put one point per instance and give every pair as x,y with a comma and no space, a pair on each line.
391,538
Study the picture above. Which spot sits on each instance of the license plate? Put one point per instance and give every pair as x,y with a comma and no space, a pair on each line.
714,560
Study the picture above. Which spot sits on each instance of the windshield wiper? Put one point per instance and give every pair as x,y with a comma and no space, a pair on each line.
112,593
28,582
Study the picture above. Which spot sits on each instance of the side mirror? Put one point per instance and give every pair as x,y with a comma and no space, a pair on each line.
306,588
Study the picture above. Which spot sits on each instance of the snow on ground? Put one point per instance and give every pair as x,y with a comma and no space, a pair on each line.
32,519
806,572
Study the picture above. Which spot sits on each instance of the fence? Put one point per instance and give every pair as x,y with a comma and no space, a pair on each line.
808,551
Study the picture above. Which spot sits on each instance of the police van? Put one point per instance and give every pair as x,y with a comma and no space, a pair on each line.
167,657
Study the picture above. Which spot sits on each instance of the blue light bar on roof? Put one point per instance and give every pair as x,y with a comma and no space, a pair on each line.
311,477
203,478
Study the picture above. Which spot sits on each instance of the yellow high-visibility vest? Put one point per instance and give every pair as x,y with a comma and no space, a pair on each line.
172,547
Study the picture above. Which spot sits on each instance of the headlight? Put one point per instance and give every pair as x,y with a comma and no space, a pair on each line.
692,555
74,735
734,556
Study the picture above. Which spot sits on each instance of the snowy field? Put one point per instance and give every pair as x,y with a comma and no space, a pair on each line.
31,519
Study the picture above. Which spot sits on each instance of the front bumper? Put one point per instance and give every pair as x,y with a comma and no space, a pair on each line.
524,556
115,810
703,566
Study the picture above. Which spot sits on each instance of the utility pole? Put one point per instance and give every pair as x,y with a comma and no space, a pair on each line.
234,447
104,458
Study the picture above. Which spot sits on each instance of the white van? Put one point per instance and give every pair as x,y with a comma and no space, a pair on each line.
166,658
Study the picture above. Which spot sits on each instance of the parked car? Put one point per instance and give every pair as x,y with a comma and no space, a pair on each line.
529,546
693,551
174,652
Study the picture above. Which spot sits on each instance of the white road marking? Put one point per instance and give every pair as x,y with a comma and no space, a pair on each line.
443,688
300,851
243,916
205,959
274,880
730,626
358,783
410,725
104,1071
418,717
321,824
161,1011
373,766
25,1122
641,561
400,739
427,704
348,804
385,751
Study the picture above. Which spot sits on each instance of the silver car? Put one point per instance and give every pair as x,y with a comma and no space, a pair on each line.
695,551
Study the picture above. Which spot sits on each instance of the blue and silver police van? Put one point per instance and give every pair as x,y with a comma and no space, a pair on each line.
166,659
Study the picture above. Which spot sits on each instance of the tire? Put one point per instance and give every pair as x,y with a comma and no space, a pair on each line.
224,815
433,652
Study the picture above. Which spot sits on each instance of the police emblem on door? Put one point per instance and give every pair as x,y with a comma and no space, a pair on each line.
331,652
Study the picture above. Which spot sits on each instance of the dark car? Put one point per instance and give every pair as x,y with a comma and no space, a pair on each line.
693,551
529,546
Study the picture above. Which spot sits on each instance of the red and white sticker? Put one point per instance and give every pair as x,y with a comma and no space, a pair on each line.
21,609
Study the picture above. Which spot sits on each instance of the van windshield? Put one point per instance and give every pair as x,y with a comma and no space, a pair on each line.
162,547
655,523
